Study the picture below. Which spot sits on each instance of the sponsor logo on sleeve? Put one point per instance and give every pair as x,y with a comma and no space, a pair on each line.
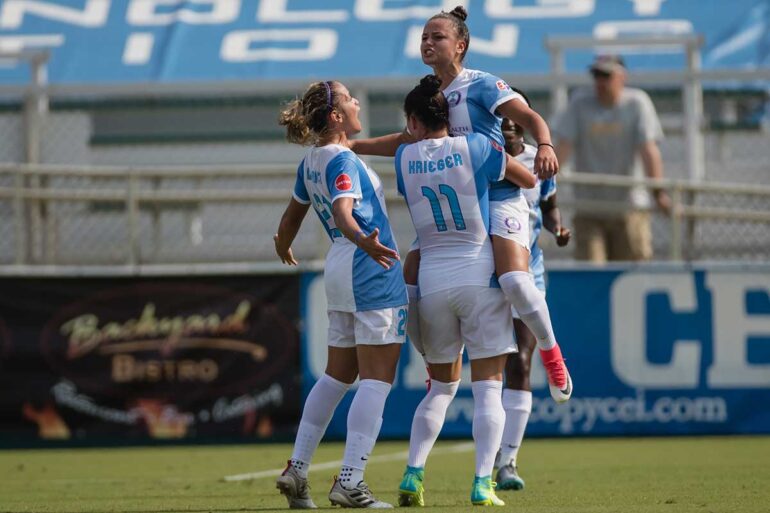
343,182
502,85
496,146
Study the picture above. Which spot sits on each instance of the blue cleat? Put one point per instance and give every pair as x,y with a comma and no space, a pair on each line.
483,492
410,491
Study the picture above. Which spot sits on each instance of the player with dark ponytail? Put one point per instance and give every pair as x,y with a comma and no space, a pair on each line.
445,182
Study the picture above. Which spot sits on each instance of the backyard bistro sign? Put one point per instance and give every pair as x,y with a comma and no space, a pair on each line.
175,40
666,351
122,359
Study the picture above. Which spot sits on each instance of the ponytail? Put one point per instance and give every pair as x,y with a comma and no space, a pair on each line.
427,103
307,118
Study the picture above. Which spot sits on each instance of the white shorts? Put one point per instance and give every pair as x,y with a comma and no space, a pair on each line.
373,327
510,219
474,316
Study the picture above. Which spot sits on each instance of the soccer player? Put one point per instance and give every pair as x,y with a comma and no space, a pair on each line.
477,101
364,289
517,393
445,181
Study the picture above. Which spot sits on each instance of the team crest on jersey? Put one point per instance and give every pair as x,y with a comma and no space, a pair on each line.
454,98
502,85
343,183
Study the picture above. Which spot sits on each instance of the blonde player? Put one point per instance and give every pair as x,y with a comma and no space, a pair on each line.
364,289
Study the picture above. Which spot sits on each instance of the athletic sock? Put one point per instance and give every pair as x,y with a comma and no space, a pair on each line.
364,421
488,422
517,405
428,420
519,287
316,414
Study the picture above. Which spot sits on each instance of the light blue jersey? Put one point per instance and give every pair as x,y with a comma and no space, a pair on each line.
354,281
542,191
473,98
445,183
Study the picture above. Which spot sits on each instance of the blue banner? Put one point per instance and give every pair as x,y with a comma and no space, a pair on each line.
652,351
104,41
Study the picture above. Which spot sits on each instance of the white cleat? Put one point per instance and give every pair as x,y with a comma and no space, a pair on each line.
295,488
358,497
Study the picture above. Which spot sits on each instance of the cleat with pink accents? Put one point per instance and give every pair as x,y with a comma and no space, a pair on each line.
559,380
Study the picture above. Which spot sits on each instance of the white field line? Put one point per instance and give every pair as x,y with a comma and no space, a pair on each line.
393,456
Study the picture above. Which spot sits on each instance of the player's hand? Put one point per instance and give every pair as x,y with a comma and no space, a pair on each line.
370,244
284,253
546,163
406,137
563,236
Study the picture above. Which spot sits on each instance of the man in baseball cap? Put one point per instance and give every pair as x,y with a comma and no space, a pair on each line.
608,64
612,129
609,72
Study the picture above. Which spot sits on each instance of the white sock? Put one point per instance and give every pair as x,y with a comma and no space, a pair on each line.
488,422
413,318
364,422
316,414
519,287
428,420
517,405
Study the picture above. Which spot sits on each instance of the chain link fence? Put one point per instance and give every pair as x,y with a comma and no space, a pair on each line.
146,136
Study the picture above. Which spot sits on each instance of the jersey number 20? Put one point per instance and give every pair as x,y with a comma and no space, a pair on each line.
454,207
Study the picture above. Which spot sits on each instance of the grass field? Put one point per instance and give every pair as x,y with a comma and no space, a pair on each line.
677,475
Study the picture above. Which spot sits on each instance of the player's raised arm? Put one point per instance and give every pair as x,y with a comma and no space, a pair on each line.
383,146
546,163
517,173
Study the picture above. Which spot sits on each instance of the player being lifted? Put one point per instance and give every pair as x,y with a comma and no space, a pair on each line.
477,102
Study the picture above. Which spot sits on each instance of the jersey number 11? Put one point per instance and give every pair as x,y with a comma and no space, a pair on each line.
454,207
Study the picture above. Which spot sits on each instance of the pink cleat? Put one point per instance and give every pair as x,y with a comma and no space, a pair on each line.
559,380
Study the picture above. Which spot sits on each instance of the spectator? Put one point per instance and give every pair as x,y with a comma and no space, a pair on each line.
606,129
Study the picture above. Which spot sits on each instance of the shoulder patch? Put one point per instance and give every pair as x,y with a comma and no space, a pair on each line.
343,182
502,85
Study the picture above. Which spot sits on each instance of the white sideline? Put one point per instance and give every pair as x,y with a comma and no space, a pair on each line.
393,456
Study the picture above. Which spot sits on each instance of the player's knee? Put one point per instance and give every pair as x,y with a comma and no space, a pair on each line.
520,289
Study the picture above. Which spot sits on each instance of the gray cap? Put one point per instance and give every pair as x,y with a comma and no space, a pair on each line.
608,64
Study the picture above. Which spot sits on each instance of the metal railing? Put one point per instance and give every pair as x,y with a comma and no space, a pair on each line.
98,197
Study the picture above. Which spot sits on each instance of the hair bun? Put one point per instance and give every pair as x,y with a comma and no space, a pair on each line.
430,85
459,12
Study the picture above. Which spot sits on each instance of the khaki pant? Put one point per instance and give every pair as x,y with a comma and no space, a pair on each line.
599,239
